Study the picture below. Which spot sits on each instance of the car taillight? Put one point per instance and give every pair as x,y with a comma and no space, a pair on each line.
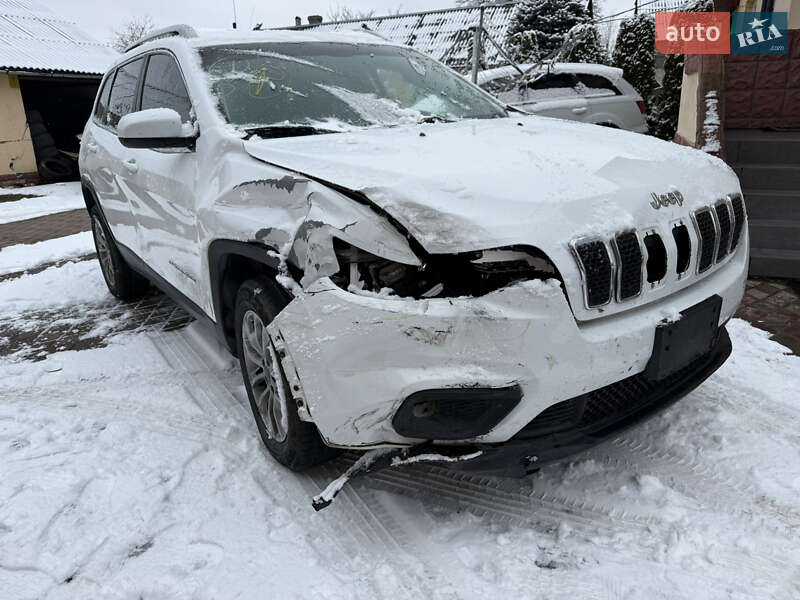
642,106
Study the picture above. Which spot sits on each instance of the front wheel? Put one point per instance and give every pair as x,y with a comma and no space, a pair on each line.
294,443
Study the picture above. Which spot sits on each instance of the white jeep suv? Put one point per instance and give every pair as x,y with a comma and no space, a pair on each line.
396,260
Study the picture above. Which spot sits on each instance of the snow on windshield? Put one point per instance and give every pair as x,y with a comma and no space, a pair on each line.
361,85
373,109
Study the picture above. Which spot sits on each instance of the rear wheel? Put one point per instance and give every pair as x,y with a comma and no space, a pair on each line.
122,281
294,443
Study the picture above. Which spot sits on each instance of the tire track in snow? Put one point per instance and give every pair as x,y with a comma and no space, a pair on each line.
546,512
368,527
710,484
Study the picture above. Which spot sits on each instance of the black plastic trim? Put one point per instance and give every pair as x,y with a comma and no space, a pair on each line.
454,413
153,143
138,265
518,457
218,253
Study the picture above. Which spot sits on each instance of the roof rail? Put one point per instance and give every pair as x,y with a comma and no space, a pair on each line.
172,31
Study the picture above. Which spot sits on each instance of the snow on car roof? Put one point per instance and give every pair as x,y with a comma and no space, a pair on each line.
611,73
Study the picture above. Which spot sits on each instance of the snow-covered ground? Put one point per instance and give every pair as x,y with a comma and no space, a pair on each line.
39,200
134,470
20,257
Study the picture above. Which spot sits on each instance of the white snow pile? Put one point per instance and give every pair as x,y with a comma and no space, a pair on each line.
43,200
27,256
135,471
711,124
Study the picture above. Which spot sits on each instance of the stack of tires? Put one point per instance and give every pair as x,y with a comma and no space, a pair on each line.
52,164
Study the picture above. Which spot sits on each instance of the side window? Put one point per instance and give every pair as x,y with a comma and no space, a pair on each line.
500,84
597,85
164,87
551,87
555,81
123,92
102,99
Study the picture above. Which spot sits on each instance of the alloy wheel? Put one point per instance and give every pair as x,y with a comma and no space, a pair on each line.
265,377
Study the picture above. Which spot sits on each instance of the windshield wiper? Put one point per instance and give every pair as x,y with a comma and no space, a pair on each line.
279,131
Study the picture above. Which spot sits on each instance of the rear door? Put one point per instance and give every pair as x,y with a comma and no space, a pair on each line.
554,95
607,105
106,158
163,184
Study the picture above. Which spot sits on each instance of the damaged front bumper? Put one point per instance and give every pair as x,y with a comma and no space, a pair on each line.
353,360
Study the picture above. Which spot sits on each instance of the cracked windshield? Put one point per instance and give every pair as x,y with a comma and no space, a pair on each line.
296,89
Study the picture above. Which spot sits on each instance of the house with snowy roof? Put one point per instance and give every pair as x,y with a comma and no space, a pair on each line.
49,73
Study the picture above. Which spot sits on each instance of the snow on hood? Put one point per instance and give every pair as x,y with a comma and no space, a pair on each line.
489,183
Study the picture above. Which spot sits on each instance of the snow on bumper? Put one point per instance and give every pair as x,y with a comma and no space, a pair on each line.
357,358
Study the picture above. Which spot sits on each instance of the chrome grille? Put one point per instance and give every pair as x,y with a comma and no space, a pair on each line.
620,275
724,221
738,219
595,264
629,265
707,232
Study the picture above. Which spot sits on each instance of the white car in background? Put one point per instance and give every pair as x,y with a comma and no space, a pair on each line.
582,92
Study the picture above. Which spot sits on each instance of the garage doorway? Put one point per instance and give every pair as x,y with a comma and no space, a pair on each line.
57,109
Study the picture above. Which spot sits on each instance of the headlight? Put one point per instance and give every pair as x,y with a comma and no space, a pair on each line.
441,276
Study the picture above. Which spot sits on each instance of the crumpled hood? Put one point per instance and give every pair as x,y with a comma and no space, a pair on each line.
521,180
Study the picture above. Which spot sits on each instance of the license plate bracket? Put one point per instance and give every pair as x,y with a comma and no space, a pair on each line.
679,343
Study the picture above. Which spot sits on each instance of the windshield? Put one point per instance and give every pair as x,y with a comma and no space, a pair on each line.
308,87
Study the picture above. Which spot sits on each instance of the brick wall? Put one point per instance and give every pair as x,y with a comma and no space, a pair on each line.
763,90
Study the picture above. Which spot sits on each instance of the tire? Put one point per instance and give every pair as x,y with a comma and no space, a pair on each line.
122,281
294,443
55,167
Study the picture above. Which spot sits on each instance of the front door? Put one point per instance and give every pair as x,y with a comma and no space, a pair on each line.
162,182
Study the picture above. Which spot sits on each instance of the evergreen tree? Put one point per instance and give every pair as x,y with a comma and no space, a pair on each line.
634,53
538,27
583,45
662,116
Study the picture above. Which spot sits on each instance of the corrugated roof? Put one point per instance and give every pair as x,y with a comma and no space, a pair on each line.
443,34
34,38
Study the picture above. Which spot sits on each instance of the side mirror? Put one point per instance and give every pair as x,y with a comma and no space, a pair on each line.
155,128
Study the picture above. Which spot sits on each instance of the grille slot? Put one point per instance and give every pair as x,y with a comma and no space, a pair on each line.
629,270
656,257
724,219
708,237
680,233
738,219
597,270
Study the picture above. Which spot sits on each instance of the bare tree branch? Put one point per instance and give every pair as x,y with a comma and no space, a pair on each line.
132,31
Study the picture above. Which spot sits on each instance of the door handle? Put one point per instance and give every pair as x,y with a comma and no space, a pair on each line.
131,165
91,147
580,110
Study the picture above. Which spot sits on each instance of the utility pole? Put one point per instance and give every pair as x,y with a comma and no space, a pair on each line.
635,7
476,48
591,9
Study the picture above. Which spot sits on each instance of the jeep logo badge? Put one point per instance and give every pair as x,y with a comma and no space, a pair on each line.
665,200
